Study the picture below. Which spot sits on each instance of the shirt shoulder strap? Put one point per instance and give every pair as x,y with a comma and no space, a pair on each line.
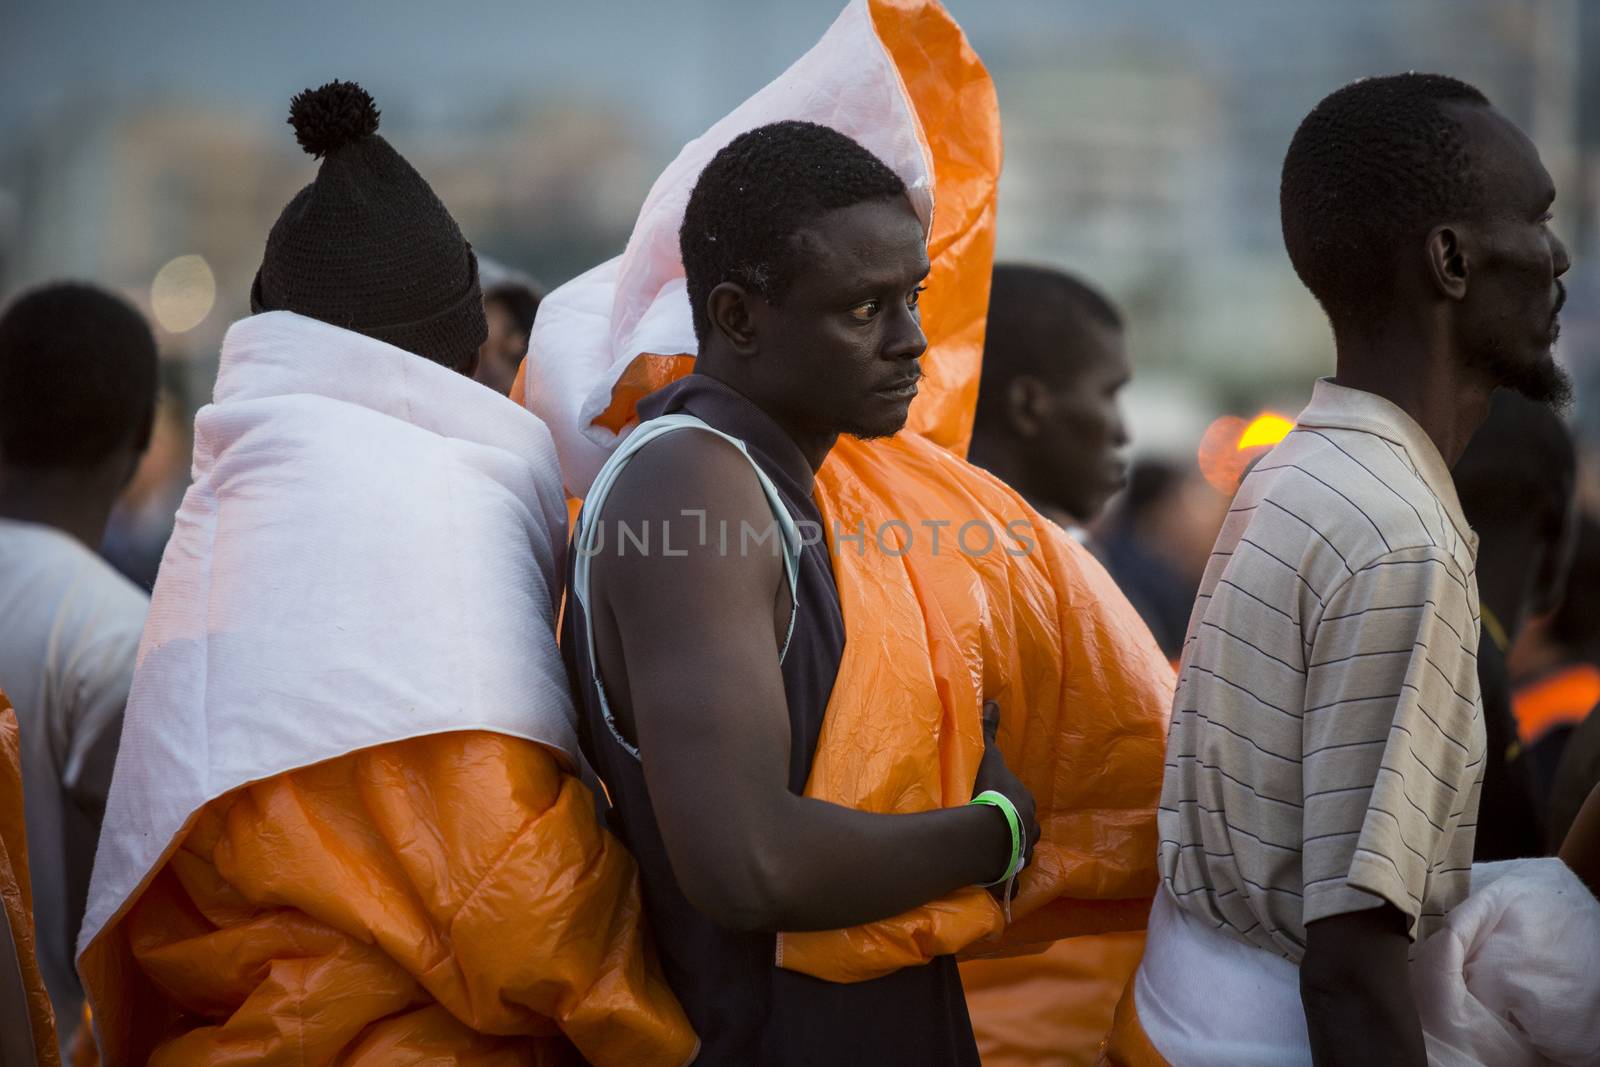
588,533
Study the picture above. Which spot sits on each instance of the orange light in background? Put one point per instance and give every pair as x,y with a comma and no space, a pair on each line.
1231,444
1221,462
1266,429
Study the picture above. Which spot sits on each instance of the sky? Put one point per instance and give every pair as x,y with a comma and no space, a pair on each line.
676,62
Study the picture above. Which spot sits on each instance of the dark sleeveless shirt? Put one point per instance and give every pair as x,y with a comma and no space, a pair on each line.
746,1009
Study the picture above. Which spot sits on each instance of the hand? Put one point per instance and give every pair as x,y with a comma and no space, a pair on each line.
994,774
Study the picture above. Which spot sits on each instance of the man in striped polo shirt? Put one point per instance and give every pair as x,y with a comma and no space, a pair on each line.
1327,741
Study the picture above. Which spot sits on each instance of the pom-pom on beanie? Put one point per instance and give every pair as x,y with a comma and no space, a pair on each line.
367,246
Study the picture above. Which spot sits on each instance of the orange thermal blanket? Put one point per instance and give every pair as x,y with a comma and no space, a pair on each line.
446,899
1005,607
16,892
1053,1008
931,633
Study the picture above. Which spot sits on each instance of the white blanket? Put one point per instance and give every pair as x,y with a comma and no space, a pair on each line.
1511,979
590,330
370,552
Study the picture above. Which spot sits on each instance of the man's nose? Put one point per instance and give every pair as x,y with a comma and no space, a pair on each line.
1559,260
906,339
1120,437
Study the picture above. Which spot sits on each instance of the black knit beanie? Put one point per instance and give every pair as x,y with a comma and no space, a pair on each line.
367,246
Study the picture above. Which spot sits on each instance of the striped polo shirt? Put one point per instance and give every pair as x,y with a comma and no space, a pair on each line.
1326,747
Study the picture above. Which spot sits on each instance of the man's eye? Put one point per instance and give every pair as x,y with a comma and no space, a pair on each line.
916,296
864,311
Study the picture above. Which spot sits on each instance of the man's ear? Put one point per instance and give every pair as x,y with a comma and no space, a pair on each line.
1026,404
728,307
1447,260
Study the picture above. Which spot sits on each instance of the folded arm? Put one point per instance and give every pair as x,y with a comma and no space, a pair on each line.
1581,849
693,643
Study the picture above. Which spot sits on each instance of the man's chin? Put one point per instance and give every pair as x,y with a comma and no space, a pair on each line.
864,433
886,424
1544,381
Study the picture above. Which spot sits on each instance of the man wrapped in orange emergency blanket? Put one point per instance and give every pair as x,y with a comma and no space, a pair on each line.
27,1026
348,823
930,633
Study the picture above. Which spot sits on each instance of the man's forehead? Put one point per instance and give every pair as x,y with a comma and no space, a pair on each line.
1092,350
1508,157
878,237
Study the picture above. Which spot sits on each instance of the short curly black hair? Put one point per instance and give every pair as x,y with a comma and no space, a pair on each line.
78,377
1375,165
1040,320
756,193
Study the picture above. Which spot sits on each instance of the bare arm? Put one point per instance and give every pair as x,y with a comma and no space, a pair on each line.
1581,849
1356,988
700,661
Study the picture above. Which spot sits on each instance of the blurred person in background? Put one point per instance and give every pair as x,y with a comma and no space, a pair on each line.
141,521
1156,540
1515,481
509,306
1048,423
1555,665
77,403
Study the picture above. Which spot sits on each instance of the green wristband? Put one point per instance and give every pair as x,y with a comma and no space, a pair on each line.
994,798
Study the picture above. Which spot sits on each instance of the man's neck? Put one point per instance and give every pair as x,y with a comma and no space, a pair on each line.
1009,465
813,446
999,460
76,502
1436,390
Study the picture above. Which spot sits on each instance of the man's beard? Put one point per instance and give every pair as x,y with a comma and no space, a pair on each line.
1543,381
863,431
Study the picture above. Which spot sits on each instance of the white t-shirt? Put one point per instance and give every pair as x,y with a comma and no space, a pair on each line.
69,636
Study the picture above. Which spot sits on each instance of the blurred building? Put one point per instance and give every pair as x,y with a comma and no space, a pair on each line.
170,201
1143,147
1143,144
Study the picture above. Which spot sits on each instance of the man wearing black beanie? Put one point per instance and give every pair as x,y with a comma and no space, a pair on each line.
348,822
367,246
